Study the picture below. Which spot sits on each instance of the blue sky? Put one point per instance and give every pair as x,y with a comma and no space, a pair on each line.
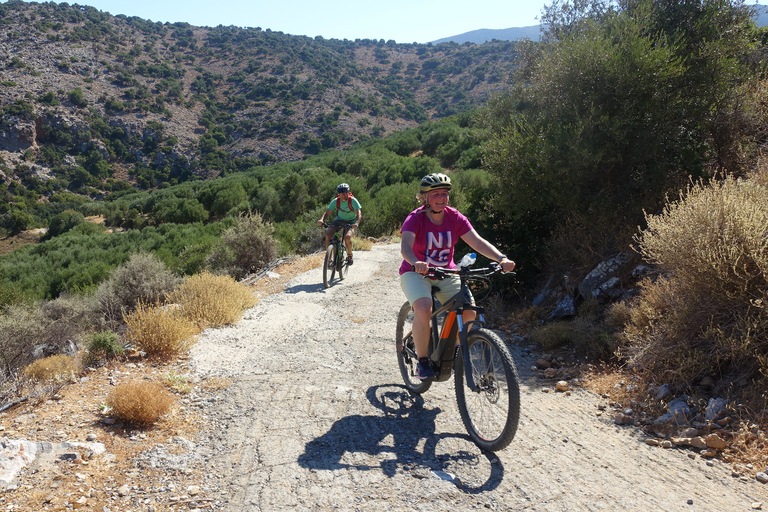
404,21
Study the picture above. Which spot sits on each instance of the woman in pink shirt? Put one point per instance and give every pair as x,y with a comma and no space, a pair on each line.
429,235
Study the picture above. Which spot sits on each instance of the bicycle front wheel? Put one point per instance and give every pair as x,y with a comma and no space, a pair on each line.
329,265
341,264
491,412
406,352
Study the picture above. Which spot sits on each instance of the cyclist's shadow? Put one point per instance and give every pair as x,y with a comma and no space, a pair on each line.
408,422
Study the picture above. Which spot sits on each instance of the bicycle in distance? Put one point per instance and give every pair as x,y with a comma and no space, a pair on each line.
335,263
485,377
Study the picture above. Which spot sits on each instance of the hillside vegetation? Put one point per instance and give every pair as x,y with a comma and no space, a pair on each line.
185,140
96,101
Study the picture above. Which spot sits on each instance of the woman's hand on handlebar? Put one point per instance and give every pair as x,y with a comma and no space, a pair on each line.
421,267
507,265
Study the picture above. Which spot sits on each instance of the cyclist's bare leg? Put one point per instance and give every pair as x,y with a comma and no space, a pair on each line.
348,242
422,309
328,235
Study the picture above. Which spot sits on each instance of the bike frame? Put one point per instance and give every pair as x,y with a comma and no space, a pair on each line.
338,240
454,327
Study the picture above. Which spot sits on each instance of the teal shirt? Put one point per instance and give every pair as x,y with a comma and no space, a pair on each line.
344,212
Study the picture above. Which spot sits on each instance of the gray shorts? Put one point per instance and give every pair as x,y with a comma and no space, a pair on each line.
415,286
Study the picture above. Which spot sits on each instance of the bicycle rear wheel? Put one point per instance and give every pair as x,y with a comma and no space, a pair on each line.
406,352
491,413
329,265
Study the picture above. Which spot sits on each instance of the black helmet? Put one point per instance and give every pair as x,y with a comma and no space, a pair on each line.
344,187
435,181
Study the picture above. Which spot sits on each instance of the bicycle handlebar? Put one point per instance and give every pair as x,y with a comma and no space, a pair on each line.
442,273
329,224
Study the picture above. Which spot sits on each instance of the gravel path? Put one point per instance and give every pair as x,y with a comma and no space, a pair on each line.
317,419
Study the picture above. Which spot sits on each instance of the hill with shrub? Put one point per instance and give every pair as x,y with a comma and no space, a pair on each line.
93,103
570,162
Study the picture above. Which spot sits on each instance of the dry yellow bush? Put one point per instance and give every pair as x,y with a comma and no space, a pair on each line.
56,368
706,316
140,403
361,244
212,301
160,331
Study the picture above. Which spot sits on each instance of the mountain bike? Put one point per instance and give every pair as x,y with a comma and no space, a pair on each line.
486,381
336,255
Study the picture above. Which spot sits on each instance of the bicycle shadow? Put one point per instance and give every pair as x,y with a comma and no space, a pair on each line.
305,288
407,421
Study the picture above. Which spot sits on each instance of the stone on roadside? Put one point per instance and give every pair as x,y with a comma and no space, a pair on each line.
716,442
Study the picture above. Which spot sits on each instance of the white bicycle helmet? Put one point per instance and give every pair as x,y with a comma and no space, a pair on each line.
435,181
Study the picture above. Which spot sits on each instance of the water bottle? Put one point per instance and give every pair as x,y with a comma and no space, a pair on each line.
468,260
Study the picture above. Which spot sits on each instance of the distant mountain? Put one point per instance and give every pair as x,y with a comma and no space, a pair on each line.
485,35
533,32
762,15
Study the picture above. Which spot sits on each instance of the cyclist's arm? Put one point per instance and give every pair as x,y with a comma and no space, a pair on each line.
488,250
407,240
325,216
358,216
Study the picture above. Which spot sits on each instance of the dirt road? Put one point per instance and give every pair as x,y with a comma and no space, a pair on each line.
317,419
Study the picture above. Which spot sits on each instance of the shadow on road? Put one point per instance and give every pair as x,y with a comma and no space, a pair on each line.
306,288
405,423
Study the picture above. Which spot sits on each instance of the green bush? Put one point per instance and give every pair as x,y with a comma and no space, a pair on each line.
707,315
102,345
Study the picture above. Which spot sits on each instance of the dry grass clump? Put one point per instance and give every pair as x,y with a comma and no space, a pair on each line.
161,332
58,368
708,315
749,445
361,244
210,300
140,403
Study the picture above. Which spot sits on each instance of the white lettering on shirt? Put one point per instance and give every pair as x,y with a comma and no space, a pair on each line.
438,248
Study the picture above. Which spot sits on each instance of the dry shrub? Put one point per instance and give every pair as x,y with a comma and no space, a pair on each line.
53,327
58,368
140,403
361,244
160,331
210,300
588,337
707,316
143,278
246,247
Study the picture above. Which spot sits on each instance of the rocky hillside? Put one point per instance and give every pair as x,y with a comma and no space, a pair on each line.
88,97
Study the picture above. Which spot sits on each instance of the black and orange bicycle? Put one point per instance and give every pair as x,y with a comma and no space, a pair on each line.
486,381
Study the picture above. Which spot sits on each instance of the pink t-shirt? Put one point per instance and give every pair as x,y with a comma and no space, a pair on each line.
434,244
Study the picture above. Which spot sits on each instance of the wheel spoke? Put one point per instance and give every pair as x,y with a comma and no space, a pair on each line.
491,412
